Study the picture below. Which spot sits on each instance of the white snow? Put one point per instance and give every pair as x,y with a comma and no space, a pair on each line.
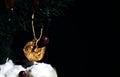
9,69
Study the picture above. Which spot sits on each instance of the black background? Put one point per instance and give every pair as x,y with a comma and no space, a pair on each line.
68,47
116,42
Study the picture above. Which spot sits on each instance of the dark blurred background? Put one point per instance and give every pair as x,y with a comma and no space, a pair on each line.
70,43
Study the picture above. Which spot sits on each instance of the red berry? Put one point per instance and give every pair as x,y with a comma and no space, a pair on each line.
45,40
9,3
22,74
36,2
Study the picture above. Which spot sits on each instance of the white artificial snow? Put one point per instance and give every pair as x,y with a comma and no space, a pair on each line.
9,69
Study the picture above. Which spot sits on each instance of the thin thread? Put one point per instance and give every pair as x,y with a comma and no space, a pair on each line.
33,29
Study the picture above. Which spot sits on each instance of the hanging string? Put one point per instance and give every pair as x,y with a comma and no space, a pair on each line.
33,29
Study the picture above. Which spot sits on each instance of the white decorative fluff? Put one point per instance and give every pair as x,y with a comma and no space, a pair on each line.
9,69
